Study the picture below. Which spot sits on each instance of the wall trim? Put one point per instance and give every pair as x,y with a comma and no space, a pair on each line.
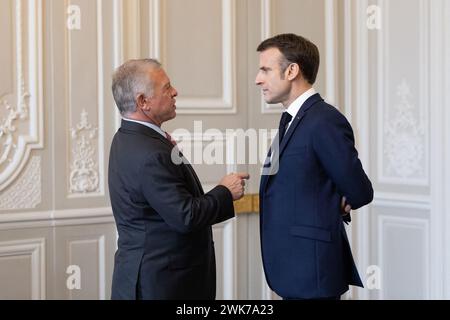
36,249
230,260
99,241
100,156
266,32
118,43
400,200
155,32
229,241
53,218
436,20
348,55
416,223
248,204
101,99
446,190
28,88
227,103
362,122
331,52
384,99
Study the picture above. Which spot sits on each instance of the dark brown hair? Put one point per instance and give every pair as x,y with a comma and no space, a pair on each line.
295,49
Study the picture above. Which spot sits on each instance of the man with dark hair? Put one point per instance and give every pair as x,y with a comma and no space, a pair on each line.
318,179
165,247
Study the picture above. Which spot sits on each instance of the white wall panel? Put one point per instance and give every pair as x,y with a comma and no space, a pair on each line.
21,97
225,238
57,118
404,257
23,266
206,53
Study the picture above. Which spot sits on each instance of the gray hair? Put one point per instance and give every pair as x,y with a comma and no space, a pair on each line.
130,80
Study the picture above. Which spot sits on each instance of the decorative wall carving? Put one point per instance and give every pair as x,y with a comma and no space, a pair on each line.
25,193
8,124
403,142
21,111
84,176
404,138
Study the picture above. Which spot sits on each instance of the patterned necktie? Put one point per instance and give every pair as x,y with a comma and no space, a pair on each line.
285,119
169,137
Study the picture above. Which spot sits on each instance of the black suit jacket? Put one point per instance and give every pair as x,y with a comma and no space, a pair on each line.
165,246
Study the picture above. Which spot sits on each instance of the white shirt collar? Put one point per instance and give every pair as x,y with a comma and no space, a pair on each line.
150,125
297,104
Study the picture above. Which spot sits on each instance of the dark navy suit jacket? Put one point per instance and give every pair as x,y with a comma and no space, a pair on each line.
305,250
165,247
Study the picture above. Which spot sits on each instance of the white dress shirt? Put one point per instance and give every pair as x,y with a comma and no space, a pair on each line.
150,125
297,104
295,107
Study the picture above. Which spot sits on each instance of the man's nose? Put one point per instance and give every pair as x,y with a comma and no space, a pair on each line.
175,93
258,80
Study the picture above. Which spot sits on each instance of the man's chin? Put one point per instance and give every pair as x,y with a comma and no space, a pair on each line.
170,116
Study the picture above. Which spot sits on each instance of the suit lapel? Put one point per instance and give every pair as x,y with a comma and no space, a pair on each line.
140,128
298,118
291,130
193,174
301,113
137,127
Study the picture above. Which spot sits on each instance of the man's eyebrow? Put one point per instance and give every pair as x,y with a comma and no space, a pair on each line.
264,68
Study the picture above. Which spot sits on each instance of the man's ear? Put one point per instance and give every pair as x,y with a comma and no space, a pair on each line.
143,102
293,71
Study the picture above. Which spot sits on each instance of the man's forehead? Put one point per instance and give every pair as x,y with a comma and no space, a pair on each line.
159,75
270,56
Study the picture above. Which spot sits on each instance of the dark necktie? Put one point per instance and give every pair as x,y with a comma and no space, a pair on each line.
169,137
285,119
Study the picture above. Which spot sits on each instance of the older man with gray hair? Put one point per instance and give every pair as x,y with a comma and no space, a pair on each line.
163,217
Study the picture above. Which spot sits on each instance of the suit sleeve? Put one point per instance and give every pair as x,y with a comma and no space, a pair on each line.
165,188
334,145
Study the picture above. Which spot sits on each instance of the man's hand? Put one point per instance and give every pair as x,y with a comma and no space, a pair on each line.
345,207
345,210
235,182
